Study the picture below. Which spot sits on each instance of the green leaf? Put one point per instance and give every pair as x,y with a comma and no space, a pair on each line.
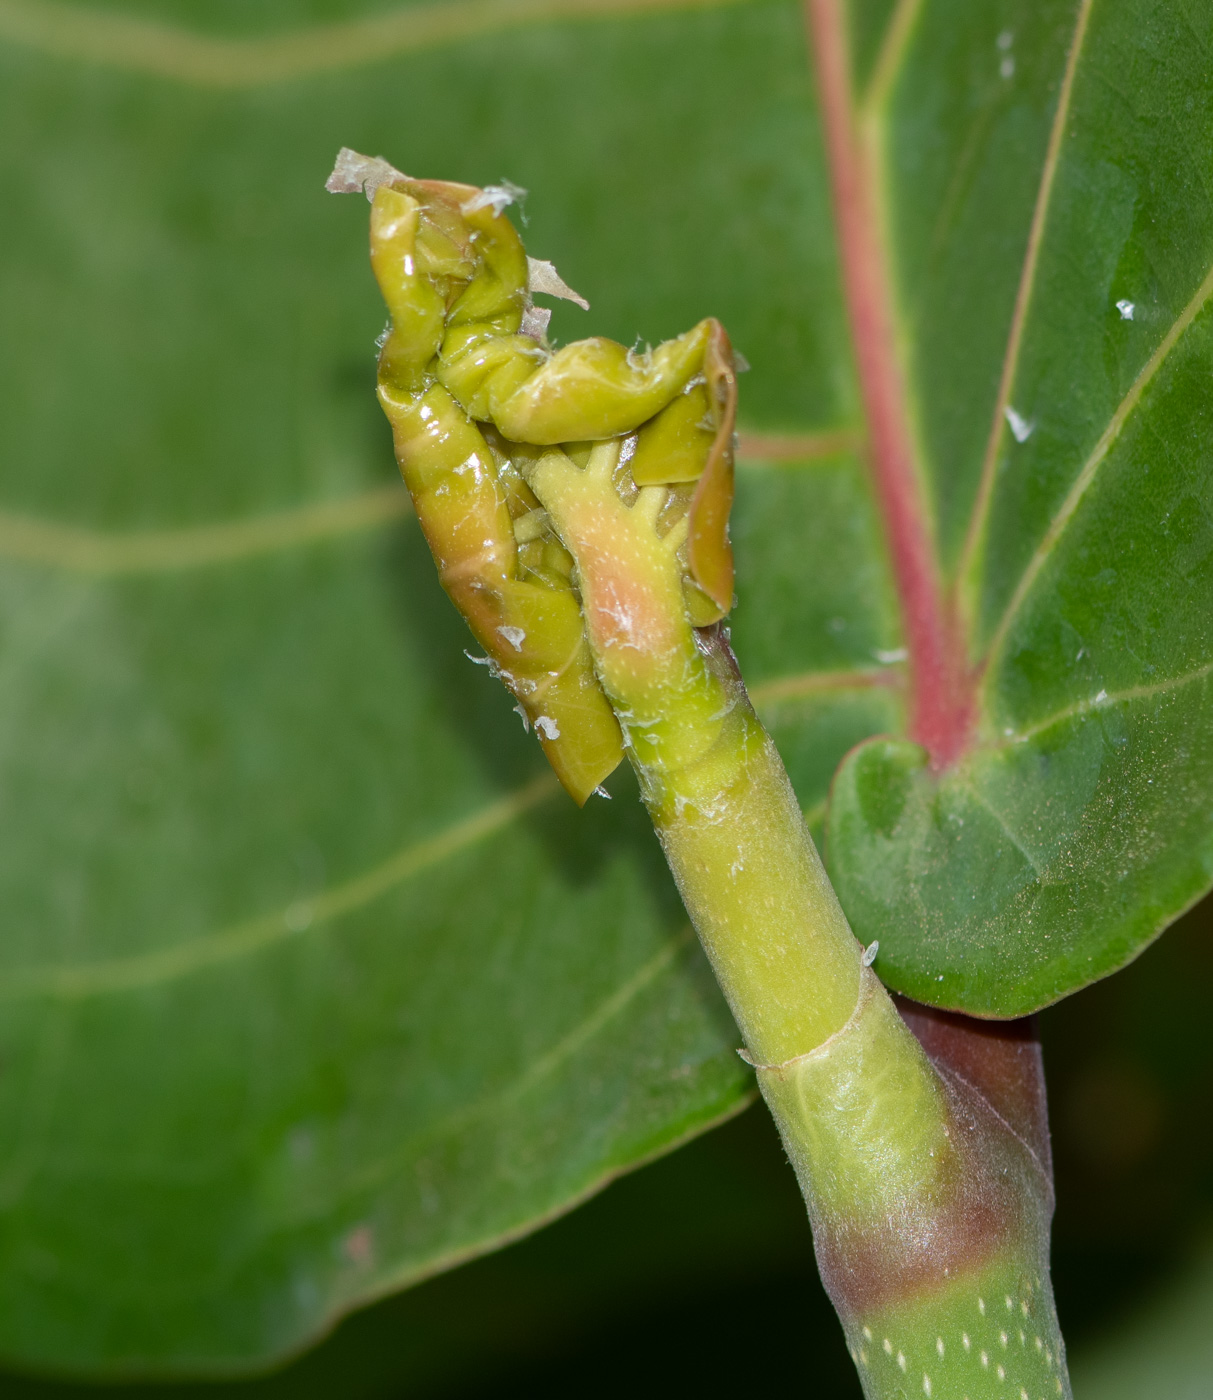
1045,174
312,982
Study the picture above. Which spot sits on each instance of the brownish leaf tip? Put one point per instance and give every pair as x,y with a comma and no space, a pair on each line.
709,552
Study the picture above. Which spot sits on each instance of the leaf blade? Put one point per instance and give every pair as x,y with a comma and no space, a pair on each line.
1002,883
264,940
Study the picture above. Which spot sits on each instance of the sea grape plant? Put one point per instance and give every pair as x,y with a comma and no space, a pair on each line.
576,502
312,986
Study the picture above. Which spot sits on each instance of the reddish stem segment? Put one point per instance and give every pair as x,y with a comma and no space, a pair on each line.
941,690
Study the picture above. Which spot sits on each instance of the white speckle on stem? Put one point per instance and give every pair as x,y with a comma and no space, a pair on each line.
514,635
1006,69
1020,427
890,658
547,726
869,957
1005,40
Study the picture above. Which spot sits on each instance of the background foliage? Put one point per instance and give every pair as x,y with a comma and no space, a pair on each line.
667,1279
310,985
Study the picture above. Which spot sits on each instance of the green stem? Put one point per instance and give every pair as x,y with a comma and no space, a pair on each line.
930,1217
573,533
712,780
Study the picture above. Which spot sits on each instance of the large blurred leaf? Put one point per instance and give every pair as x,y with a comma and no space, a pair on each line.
312,982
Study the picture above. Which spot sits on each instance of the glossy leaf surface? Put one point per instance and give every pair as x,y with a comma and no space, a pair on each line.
312,981
1051,233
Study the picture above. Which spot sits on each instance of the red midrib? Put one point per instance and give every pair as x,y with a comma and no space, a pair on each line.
942,690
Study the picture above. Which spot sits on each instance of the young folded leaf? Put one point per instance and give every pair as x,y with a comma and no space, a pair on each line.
470,396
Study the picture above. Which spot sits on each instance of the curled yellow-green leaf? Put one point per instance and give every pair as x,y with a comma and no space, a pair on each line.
473,392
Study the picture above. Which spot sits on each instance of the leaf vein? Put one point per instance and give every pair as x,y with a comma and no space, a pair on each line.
142,970
130,44
811,683
76,549
540,1069
894,46
1023,297
1091,467
1102,702
797,447
982,800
